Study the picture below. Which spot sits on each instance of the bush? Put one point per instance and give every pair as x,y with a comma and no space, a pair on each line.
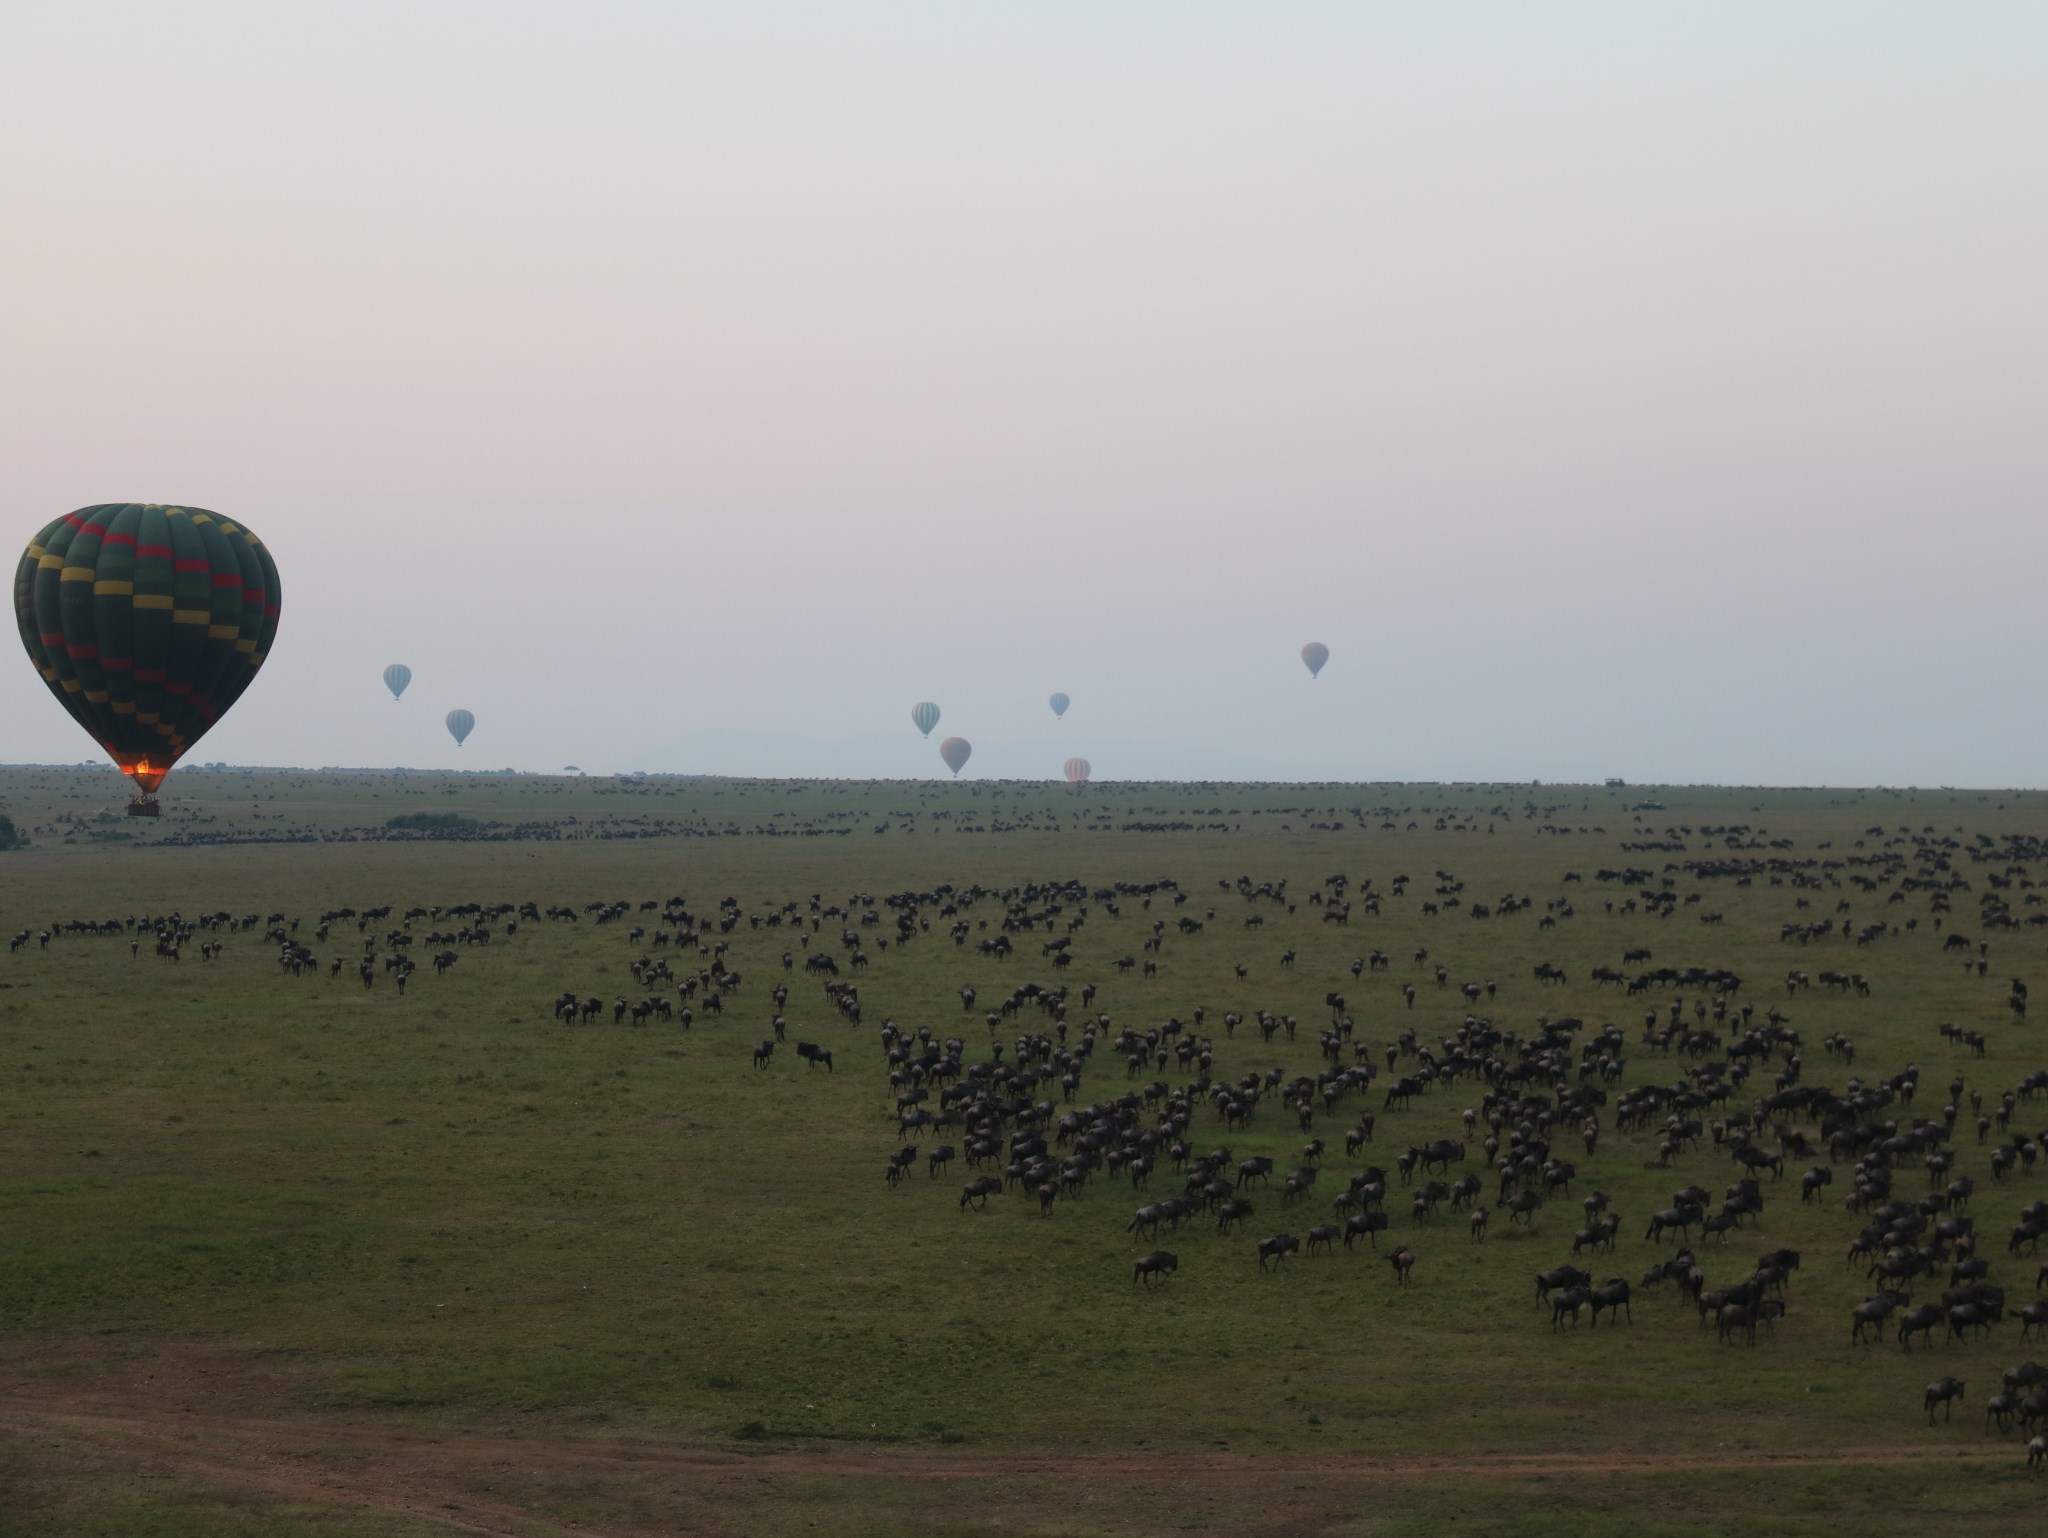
9,839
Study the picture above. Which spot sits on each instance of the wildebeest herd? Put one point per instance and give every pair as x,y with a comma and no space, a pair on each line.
1425,1108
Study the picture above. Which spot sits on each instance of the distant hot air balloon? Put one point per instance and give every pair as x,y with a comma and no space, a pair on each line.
924,716
1059,703
396,677
954,750
1077,771
460,724
1315,654
147,622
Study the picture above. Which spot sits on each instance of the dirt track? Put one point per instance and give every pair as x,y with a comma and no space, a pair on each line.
197,1417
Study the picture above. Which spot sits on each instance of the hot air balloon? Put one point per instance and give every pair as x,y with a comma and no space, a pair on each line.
460,724
1059,703
1077,771
147,622
954,750
396,677
924,716
1315,654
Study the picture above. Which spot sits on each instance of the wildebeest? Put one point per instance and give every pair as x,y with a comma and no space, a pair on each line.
1368,1224
764,1052
814,1054
1944,1393
977,1192
1160,1263
1277,1249
1403,1261
1919,1321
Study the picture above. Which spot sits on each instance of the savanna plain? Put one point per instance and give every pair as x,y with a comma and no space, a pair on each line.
286,1253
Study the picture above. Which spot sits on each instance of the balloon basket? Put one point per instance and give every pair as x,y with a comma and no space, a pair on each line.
145,806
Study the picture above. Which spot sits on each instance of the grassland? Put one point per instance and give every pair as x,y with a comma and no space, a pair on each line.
289,1256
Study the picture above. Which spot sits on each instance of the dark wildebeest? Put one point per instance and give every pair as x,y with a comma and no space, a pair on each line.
1612,1294
1945,1393
1403,1261
1277,1248
814,1054
1160,1263
1324,1234
764,1052
1919,1321
1368,1224
977,1192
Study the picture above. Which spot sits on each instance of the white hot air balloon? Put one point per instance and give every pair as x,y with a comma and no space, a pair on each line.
1059,703
924,716
460,724
1077,771
955,751
396,677
1315,654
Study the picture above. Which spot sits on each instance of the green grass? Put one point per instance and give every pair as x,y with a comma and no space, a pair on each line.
448,1211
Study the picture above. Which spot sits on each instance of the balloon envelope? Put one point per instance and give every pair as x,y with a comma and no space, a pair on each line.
1059,703
396,677
1077,771
1315,654
924,716
147,622
955,751
460,724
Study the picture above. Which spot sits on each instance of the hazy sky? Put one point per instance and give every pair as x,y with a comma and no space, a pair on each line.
1616,389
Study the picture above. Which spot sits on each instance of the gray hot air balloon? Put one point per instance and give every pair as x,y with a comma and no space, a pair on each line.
1059,703
396,677
1077,771
954,750
1315,654
460,724
924,716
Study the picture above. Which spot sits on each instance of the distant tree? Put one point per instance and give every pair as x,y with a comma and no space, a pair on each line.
9,839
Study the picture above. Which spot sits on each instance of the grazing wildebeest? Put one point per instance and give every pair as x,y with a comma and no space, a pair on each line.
1160,1263
1919,1321
1369,1224
1611,1294
1568,1300
1403,1261
1944,1393
1869,1315
1277,1248
1548,1282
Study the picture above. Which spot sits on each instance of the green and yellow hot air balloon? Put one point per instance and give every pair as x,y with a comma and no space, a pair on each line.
147,622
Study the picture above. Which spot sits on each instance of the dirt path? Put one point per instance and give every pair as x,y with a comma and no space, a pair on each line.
184,1418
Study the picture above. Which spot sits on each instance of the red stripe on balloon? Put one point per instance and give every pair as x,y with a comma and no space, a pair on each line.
191,566
153,552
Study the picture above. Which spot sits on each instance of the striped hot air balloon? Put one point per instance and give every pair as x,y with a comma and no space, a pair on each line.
1059,703
955,751
460,724
147,622
924,716
1315,654
396,677
1077,771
